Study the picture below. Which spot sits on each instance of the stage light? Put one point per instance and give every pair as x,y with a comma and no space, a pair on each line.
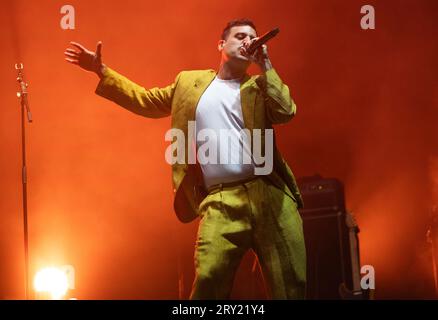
52,281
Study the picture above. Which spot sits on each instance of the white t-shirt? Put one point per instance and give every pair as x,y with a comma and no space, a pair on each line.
219,125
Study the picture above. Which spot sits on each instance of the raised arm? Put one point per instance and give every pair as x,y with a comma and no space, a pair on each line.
151,103
280,107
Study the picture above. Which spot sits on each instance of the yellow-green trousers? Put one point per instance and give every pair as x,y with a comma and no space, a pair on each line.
254,215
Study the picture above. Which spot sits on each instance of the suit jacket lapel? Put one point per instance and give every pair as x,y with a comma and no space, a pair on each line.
199,87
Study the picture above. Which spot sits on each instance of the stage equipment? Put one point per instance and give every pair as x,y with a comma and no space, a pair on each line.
23,96
332,245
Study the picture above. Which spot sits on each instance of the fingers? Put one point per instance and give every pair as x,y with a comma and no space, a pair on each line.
261,51
72,51
99,49
73,61
247,44
71,55
79,46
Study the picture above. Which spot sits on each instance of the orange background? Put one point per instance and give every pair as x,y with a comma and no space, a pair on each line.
100,195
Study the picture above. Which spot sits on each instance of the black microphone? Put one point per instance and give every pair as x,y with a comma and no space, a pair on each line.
262,40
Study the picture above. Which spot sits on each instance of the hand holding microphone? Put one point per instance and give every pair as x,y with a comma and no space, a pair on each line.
257,51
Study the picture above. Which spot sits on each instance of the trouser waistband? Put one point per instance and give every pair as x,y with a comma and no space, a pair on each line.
220,186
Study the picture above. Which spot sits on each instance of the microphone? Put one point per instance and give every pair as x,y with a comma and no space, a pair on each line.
262,40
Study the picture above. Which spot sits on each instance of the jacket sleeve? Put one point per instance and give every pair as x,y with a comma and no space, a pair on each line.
280,107
151,103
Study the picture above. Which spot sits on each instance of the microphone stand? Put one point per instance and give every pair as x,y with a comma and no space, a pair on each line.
22,95
432,238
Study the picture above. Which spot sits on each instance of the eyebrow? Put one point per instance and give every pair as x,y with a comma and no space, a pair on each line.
245,34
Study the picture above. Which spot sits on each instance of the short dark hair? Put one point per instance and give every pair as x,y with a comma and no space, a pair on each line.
234,23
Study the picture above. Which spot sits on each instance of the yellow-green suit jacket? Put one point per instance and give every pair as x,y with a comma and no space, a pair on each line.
265,101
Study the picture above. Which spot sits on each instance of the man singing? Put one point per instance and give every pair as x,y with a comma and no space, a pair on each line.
238,209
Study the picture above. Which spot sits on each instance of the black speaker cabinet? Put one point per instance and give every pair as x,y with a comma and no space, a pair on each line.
333,268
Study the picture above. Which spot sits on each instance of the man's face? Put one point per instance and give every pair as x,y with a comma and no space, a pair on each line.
230,47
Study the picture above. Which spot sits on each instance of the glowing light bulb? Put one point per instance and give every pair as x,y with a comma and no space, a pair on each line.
53,281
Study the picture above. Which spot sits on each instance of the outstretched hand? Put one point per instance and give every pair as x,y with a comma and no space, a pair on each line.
86,59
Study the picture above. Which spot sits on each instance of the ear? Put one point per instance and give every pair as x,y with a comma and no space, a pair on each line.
220,45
